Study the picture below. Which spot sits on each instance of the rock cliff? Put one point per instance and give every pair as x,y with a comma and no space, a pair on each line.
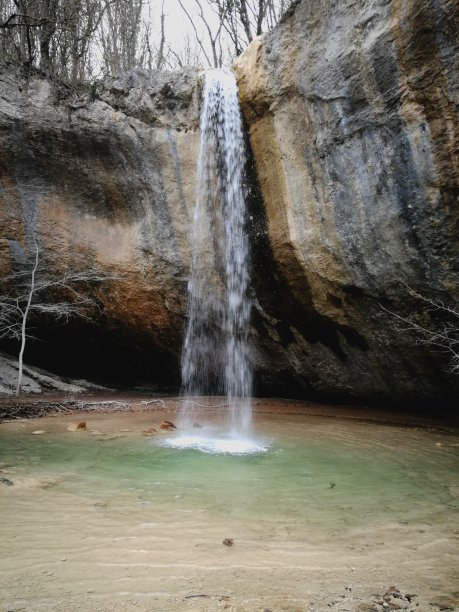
352,186
352,113
108,173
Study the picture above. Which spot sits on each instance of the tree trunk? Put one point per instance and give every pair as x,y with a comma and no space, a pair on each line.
48,15
261,16
25,44
160,58
245,20
25,316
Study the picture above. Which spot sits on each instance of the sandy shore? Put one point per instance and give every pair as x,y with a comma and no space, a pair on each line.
49,404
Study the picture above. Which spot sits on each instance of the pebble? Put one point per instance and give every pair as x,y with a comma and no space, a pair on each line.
149,432
167,426
446,603
38,432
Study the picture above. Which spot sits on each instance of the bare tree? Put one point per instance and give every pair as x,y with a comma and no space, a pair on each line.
237,22
73,44
162,42
215,59
119,34
153,54
48,16
75,39
434,323
189,54
55,36
37,291
40,284
19,22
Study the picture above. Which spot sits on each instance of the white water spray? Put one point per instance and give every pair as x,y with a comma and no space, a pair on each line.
215,358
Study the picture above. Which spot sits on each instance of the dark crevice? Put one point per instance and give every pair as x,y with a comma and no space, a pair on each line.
281,309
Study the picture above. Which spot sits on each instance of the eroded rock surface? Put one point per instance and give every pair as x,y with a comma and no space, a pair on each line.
351,108
108,173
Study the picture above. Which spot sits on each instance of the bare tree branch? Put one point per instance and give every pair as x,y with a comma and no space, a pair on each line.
441,332
160,58
198,38
40,285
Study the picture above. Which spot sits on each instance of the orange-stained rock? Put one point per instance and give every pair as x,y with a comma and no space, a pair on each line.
168,426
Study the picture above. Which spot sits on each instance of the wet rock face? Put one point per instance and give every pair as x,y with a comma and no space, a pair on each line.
109,172
353,127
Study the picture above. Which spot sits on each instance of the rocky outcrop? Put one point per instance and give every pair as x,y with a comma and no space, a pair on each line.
352,189
352,114
36,380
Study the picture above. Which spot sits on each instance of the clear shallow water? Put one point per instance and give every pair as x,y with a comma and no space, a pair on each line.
324,494
319,471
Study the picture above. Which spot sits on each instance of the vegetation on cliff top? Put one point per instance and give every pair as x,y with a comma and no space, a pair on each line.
81,40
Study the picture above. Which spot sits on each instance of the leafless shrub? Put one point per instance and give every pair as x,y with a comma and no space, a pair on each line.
41,283
435,324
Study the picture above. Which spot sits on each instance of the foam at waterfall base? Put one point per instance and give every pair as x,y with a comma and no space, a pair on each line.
212,444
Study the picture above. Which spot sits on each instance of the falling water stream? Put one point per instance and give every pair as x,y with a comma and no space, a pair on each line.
215,358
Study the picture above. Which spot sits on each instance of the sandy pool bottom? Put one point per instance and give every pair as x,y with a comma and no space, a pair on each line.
334,513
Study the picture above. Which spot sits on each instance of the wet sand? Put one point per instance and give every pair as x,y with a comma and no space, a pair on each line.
45,404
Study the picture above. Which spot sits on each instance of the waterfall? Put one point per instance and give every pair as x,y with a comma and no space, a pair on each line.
215,357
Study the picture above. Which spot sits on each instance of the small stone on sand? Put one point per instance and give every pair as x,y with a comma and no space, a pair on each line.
150,432
81,426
